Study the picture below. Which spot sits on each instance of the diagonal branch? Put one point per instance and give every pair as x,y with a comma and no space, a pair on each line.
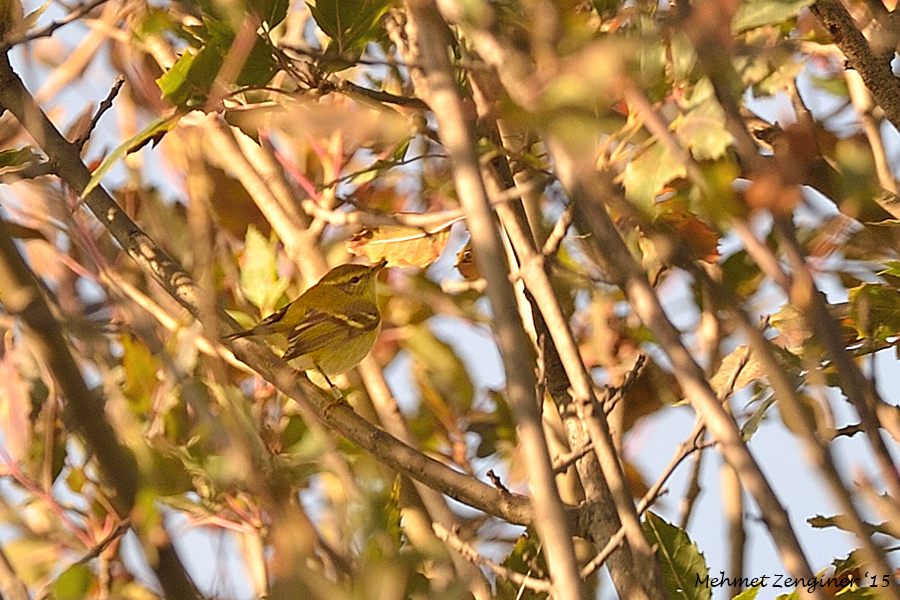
66,163
429,32
875,70
83,410
608,247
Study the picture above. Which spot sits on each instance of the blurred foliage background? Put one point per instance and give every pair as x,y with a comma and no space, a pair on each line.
258,143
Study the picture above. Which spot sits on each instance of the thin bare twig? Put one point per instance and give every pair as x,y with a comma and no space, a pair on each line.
469,553
562,463
859,390
82,411
557,234
50,29
686,506
862,103
608,247
791,405
104,106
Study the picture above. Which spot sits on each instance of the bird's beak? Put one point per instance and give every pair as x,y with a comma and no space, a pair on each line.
379,265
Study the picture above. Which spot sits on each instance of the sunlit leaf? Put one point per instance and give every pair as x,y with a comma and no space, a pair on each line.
891,267
401,246
259,271
756,13
646,175
681,561
737,371
187,83
172,83
875,311
157,128
73,583
140,368
703,131
442,370
748,594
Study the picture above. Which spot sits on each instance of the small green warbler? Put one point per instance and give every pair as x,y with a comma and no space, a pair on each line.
331,326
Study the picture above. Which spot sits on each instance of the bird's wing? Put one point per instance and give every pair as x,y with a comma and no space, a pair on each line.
320,328
264,327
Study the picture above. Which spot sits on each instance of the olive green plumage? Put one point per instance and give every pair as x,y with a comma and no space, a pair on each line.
331,326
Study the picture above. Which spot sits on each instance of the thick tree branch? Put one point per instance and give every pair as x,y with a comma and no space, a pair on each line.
66,162
83,411
608,247
429,41
875,70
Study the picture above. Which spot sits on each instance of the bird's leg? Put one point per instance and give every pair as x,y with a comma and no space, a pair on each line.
336,394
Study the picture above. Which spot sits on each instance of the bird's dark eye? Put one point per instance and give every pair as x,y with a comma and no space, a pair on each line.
356,279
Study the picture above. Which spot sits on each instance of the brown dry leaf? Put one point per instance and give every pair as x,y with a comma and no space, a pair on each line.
652,390
769,191
738,370
702,239
400,245
637,485
359,123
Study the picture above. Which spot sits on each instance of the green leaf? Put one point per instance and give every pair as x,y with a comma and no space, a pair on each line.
646,175
875,311
836,85
682,562
741,274
756,418
525,557
703,131
756,13
859,593
351,25
271,12
748,594
17,158
441,375
174,83
188,82
259,273
74,583
891,267
140,368
157,128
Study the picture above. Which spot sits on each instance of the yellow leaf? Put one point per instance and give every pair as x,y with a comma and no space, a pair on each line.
400,245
